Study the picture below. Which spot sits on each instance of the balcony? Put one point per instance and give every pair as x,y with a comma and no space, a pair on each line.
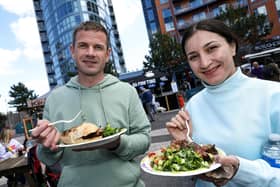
192,7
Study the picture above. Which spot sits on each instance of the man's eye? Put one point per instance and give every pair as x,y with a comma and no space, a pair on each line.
99,47
82,46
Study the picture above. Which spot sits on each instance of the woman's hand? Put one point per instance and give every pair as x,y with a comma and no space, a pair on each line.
177,126
47,135
223,174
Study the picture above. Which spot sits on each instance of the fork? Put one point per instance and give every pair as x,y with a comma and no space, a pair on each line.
188,128
62,121
188,133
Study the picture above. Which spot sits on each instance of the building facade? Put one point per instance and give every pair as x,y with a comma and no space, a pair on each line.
173,16
56,20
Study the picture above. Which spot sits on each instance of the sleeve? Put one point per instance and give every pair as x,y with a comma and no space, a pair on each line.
138,140
259,172
256,173
44,154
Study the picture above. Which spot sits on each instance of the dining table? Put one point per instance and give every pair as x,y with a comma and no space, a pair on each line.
17,166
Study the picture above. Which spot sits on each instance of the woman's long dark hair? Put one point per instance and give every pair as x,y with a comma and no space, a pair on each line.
211,25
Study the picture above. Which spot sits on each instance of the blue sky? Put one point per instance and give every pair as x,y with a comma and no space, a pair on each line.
20,48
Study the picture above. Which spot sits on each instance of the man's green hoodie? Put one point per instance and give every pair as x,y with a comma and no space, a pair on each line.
110,101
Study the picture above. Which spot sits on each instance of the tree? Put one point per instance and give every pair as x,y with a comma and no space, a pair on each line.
165,53
250,28
21,94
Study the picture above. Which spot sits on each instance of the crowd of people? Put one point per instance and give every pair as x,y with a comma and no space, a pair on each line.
216,115
269,71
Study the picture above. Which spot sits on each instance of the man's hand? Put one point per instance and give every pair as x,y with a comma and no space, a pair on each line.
223,174
177,126
110,146
46,135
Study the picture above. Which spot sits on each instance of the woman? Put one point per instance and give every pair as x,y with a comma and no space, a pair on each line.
235,112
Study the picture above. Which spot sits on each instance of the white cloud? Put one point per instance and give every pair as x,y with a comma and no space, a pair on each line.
39,86
26,32
127,11
8,58
18,7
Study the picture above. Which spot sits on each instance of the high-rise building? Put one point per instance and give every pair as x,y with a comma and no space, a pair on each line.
173,16
56,21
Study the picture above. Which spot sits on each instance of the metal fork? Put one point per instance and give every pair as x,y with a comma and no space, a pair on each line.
62,121
188,133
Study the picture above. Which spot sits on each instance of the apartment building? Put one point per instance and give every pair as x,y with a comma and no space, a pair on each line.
173,16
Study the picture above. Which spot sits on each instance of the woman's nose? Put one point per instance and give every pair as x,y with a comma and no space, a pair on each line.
204,61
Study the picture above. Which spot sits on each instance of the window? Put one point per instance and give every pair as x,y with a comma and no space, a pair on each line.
199,16
153,28
169,26
277,3
163,1
261,10
148,3
166,13
151,16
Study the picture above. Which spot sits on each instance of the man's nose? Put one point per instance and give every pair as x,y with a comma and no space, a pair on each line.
91,51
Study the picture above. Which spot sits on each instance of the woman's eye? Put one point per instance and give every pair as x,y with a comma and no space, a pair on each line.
212,48
192,58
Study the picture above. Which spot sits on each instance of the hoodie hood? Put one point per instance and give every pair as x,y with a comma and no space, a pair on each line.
107,81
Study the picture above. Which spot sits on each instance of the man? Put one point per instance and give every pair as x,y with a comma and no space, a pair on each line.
147,100
257,70
103,99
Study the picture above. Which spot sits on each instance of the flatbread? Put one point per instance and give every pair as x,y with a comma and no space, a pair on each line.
77,134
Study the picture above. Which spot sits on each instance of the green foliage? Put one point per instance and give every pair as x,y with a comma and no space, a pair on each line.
164,53
109,68
21,94
249,28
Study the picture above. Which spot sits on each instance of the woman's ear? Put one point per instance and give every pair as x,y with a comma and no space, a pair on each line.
233,48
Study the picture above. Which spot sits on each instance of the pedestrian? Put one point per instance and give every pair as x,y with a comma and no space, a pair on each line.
235,112
147,100
271,72
103,99
257,70
11,148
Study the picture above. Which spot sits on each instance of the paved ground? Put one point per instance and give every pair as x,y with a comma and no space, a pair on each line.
160,138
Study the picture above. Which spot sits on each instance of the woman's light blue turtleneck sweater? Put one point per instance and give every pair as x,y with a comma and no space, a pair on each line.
237,116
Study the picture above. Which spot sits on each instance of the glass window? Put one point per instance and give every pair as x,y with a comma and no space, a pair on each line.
151,16
199,16
277,3
169,26
163,1
261,10
148,3
166,13
153,27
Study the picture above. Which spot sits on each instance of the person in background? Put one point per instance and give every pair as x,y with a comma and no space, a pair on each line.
11,148
271,72
147,100
235,112
257,70
103,99
181,100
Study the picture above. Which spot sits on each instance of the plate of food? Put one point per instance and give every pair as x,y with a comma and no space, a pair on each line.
89,135
181,158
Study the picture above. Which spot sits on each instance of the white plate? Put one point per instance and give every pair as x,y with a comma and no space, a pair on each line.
94,143
146,166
